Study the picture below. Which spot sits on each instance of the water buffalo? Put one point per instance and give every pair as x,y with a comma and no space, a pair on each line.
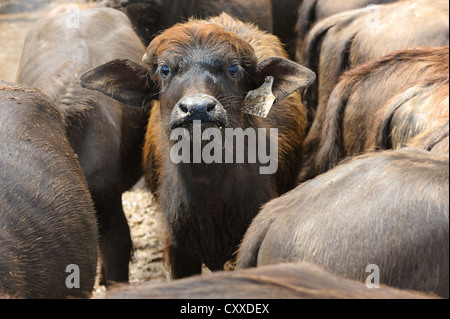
343,41
201,72
149,17
106,135
48,229
281,281
381,215
383,104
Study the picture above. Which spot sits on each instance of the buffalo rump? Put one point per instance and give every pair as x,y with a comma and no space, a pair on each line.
281,281
387,103
149,17
48,229
388,209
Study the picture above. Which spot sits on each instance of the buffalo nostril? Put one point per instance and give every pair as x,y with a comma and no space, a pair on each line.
184,108
211,107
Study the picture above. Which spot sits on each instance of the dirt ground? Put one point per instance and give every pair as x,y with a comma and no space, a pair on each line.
144,217
147,230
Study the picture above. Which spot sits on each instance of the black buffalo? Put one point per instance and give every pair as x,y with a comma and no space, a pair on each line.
48,229
388,209
106,135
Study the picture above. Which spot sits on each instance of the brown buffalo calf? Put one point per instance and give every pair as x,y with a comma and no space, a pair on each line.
382,216
383,104
417,117
281,281
201,72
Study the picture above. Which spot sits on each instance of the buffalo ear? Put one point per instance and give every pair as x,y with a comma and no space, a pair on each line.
288,76
124,80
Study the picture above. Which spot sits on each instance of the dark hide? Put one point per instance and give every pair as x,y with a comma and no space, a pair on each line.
106,135
388,209
47,218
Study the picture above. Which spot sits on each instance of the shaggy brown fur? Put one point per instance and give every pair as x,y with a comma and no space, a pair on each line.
106,135
219,36
383,104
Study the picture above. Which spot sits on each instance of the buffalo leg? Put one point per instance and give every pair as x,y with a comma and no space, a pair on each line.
181,263
115,241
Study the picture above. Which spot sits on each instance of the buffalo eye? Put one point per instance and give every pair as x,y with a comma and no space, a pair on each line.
233,70
164,70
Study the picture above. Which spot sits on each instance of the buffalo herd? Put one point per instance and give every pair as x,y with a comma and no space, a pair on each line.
303,142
